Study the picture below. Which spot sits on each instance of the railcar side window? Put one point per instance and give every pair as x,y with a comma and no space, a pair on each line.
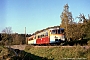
39,36
34,37
42,35
30,39
46,34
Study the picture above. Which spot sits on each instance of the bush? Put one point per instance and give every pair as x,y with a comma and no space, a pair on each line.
28,47
88,43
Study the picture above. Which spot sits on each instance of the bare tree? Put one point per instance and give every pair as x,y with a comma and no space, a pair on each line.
7,30
6,35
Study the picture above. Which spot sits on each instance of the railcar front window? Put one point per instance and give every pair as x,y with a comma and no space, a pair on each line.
62,30
58,31
53,32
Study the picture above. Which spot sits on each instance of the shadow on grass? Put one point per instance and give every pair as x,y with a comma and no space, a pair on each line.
22,55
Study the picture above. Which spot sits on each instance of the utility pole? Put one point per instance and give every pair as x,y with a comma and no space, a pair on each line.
25,32
25,35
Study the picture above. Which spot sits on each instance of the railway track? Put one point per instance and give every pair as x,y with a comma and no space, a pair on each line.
64,46
22,47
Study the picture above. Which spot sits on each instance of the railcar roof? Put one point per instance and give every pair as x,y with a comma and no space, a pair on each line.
49,28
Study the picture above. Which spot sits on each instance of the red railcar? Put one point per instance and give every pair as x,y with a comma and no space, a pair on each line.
47,36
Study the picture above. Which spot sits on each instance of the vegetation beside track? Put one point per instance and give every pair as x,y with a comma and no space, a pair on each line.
47,53
82,42
16,54
58,53
9,54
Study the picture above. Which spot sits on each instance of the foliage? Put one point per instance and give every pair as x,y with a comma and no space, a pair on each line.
3,52
88,43
75,30
18,39
28,47
7,30
9,38
87,29
10,54
6,36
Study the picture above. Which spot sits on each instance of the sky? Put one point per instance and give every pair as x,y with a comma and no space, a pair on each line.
37,14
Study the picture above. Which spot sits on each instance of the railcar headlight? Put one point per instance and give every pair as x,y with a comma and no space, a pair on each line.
56,37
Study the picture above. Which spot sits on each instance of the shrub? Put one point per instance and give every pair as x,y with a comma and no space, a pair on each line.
88,43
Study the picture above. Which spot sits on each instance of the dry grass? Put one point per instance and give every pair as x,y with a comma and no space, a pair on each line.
59,53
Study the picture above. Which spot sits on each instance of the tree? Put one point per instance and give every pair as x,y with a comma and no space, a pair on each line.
83,24
6,35
87,27
87,30
73,30
18,39
67,20
7,30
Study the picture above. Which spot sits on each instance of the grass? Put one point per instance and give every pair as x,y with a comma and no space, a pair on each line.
3,51
48,53
59,53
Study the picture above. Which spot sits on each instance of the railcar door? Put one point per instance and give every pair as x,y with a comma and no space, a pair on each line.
45,38
38,40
